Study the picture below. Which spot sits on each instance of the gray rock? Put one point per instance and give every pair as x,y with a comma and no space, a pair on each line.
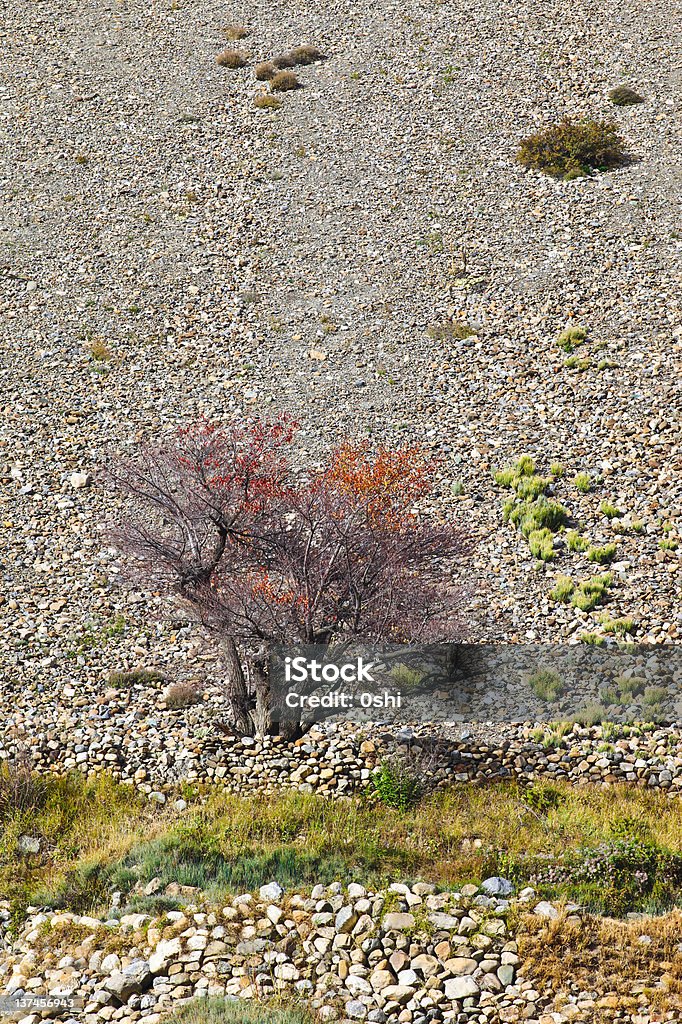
496,886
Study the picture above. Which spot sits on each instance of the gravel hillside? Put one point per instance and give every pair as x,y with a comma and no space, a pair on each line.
169,250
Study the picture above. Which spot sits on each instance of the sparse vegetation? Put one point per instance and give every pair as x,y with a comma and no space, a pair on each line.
284,81
100,352
450,330
546,684
591,592
232,59
602,555
563,589
574,542
618,626
571,337
624,96
583,482
266,102
574,147
236,32
265,71
182,695
134,677
610,511
283,61
306,54
100,837
541,544
236,1011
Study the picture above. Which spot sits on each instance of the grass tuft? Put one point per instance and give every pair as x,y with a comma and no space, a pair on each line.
232,59
624,96
284,81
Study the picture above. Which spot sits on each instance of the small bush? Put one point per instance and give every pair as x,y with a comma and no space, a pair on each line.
266,102
583,482
306,54
265,71
602,555
592,639
618,626
21,791
591,592
449,330
182,695
235,32
575,542
546,684
100,352
232,59
395,785
137,676
624,96
284,81
541,514
235,1011
541,544
284,60
563,589
569,339
573,147
591,714
610,511
620,875
542,798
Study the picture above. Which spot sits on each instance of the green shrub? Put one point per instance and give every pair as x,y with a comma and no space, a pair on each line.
137,676
583,482
591,592
575,542
563,589
602,555
542,798
592,639
540,514
610,511
573,147
546,684
396,784
624,96
621,875
619,626
541,544
571,337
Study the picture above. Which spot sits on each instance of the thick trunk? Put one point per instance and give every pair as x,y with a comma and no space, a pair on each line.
237,691
261,714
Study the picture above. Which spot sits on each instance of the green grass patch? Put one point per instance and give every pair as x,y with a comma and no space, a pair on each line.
237,1011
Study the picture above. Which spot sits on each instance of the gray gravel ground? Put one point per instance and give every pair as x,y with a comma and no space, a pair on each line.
239,260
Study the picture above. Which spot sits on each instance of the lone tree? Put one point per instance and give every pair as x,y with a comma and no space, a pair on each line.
265,554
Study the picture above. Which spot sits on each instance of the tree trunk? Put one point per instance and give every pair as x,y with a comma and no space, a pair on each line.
261,714
237,691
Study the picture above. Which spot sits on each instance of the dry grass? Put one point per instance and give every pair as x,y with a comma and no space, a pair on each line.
182,695
265,71
306,54
284,60
100,352
284,81
618,959
265,102
235,32
232,59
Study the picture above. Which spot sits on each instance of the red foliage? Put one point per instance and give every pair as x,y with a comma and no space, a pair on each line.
265,554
